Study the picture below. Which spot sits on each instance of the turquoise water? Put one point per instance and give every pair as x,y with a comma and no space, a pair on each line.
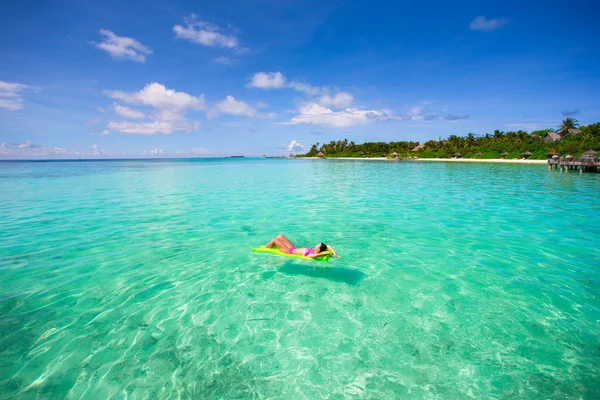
135,279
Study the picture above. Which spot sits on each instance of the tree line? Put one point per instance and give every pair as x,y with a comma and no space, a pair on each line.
574,140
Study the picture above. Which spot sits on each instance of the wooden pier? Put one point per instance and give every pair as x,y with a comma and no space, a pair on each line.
587,162
582,166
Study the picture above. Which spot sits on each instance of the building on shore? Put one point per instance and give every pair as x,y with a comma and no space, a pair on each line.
419,147
552,137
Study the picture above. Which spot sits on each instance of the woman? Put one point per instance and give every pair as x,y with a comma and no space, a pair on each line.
283,244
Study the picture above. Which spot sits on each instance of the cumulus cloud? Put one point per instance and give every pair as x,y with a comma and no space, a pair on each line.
481,23
128,112
295,147
97,151
157,95
261,104
10,95
153,152
319,115
123,48
276,80
339,100
305,88
267,80
204,33
169,115
233,107
29,150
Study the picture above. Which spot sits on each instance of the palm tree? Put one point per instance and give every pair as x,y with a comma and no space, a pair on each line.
566,124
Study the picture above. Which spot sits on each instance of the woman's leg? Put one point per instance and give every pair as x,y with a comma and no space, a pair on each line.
285,240
281,242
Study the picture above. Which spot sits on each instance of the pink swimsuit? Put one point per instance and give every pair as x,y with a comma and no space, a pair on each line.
306,252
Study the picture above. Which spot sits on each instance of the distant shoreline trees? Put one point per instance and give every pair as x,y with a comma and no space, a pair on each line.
573,141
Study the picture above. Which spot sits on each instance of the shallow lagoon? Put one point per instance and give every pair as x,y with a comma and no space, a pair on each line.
135,279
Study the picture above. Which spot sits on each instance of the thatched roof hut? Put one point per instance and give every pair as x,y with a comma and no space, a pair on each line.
292,156
569,157
574,131
555,157
526,154
320,155
419,147
552,137
504,154
590,153
394,154
589,156
478,154
457,155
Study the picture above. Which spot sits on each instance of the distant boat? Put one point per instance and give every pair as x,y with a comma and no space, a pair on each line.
236,157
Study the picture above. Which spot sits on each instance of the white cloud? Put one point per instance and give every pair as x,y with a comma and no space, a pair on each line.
319,115
169,115
128,112
305,88
224,60
10,95
157,95
339,100
204,33
97,151
25,145
419,114
100,109
295,147
233,107
28,150
200,150
261,104
267,80
123,48
481,23
276,80
153,152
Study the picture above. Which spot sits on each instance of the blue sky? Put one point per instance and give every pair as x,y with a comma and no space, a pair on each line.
189,78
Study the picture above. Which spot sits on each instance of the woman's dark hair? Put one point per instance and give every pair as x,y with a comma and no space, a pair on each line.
322,247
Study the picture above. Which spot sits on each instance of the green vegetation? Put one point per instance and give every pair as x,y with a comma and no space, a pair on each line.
490,145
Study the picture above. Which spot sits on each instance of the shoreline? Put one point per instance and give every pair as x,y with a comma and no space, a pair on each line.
467,160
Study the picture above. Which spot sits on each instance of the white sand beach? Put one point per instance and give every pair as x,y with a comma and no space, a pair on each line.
472,160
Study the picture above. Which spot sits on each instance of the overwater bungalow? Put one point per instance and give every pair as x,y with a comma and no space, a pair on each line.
589,156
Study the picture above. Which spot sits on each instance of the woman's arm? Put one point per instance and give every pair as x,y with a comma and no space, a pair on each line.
324,254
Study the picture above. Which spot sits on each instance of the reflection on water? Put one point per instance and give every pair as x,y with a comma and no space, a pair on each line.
344,275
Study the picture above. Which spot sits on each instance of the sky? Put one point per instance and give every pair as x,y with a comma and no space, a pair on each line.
133,79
